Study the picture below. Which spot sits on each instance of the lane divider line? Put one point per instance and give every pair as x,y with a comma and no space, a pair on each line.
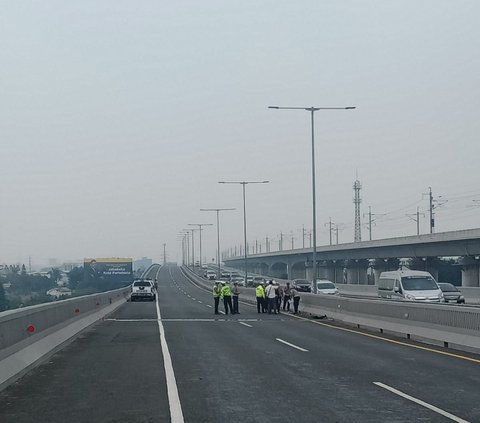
392,341
422,403
246,324
176,414
291,345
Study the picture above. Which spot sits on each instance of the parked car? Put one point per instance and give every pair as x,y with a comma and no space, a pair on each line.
210,275
451,293
327,287
302,285
239,280
143,290
225,275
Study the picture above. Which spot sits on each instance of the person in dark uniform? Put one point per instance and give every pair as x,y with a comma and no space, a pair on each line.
236,293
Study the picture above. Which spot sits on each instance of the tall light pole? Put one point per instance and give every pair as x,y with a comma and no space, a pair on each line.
193,245
200,230
312,111
243,184
218,236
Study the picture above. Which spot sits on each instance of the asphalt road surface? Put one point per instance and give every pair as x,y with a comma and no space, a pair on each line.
243,368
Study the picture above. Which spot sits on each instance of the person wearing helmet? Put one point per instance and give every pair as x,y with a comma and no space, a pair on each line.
260,294
270,293
216,295
236,293
226,294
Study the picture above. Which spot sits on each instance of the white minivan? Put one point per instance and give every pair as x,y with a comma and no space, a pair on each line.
409,285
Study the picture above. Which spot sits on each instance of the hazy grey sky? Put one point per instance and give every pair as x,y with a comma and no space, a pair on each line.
118,118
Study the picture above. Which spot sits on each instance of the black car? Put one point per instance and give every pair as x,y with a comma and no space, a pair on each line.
451,293
302,285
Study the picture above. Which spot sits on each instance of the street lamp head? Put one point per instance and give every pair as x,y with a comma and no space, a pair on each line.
350,108
273,107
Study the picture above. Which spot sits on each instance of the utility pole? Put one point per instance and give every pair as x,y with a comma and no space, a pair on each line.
336,229
433,206
164,254
330,224
267,245
430,198
280,242
416,218
371,220
293,242
30,263
303,236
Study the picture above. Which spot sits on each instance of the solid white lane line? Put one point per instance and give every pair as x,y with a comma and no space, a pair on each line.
131,320
176,414
246,324
291,345
422,403
188,320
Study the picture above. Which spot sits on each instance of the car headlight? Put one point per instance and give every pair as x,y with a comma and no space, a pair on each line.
410,297
461,298
440,295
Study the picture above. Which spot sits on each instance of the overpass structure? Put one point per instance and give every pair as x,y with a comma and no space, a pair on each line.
349,263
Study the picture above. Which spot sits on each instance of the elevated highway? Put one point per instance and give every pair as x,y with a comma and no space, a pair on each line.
381,255
174,360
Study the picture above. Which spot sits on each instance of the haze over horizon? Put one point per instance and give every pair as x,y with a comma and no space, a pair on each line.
118,119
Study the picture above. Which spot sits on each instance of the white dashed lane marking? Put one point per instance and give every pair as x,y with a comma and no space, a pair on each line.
291,345
246,324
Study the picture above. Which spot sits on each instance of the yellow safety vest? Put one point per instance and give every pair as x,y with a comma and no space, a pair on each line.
259,292
216,291
226,291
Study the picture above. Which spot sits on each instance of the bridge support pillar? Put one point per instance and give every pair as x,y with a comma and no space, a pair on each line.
470,271
357,272
326,270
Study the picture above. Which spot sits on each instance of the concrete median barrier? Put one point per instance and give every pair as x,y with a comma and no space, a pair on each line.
440,324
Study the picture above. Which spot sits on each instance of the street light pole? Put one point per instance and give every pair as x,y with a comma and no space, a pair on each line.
245,249
312,111
200,230
218,236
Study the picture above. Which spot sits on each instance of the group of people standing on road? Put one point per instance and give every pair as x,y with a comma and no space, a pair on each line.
270,298
223,291
274,297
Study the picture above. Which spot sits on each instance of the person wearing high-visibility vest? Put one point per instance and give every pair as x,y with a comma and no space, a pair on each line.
260,294
216,295
226,294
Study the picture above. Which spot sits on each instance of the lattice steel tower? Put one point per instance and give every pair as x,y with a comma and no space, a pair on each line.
357,186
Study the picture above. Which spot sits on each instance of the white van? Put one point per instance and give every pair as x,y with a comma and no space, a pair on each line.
409,285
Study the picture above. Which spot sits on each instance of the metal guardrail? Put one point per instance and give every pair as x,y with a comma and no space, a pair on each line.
455,326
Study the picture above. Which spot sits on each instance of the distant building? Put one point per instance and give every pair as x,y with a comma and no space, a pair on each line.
52,262
69,265
142,264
